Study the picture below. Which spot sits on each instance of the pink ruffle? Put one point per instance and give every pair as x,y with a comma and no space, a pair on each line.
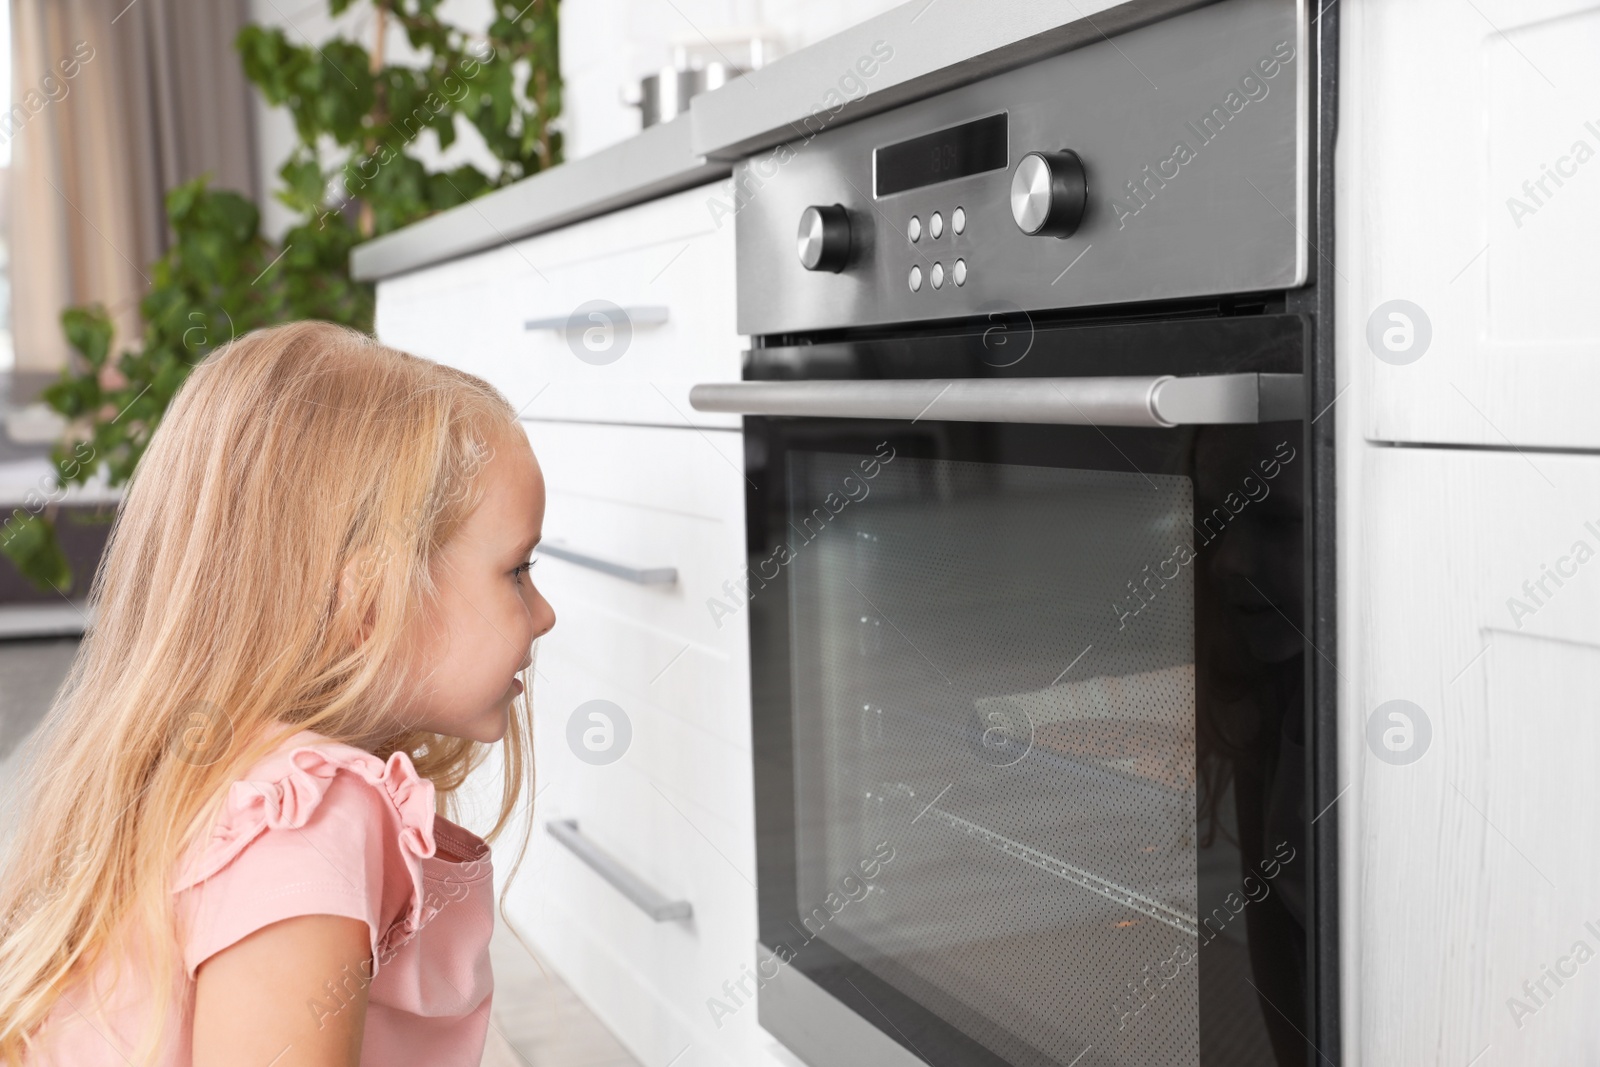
252,807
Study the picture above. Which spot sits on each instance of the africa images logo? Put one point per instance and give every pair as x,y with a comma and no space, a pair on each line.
599,732
1399,732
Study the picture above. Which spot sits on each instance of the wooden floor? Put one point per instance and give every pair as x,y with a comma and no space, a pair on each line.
537,1021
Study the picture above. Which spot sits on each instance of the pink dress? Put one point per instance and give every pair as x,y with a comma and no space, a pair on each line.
323,828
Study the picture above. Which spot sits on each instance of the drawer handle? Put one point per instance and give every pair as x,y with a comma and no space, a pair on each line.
1163,401
638,575
622,880
647,315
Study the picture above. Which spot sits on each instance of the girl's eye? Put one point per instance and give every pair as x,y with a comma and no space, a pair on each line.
522,568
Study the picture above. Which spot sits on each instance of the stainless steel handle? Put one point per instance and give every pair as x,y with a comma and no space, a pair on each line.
623,880
638,575
648,315
1162,401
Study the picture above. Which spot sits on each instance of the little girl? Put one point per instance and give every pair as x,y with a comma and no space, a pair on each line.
309,623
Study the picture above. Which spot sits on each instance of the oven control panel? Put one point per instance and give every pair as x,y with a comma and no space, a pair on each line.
1170,161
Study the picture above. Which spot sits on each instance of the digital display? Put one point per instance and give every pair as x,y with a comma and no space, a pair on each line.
970,148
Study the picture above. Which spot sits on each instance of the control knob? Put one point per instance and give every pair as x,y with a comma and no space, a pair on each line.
1048,193
824,239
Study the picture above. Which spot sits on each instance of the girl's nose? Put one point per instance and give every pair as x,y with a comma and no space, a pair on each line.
544,616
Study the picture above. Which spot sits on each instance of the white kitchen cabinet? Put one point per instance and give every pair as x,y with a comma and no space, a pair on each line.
677,807
636,481
656,639
1469,188
1475,595
608,320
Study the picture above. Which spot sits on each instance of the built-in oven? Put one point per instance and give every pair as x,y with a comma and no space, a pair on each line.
1038,575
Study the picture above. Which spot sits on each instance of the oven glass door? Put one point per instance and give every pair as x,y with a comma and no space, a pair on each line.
1029,715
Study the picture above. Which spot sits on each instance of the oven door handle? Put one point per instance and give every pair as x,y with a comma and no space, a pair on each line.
1162,401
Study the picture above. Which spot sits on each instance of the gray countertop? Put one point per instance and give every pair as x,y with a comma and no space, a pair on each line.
911,51
653,163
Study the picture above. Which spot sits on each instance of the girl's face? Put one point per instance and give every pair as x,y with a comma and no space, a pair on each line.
489,612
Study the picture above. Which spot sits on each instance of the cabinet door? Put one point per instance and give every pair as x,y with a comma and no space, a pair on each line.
677,807
1469,212
1470,821
611,319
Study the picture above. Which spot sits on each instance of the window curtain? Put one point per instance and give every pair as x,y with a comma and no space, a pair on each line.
114,103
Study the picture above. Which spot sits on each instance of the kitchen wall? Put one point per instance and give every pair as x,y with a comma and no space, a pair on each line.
605,45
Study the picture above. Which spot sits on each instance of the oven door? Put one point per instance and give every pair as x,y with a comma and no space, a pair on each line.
1026,611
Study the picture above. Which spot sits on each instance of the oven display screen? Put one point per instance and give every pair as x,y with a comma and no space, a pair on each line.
970,148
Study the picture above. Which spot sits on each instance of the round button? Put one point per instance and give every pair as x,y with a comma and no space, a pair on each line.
1048,193
916,278
958,220
938,275
823,241
959,272
936,226
914,229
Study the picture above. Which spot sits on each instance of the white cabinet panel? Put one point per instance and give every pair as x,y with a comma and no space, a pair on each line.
648,497
677,807
629,310
1469,188
1470,870
683,472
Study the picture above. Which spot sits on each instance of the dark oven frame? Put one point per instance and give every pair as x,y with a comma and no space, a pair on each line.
1242,335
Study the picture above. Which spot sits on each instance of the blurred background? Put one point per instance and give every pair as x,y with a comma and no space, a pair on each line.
290,133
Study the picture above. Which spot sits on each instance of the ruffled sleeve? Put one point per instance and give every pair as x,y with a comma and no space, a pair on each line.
319,828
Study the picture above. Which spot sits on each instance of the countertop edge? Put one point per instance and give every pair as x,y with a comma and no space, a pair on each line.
654,163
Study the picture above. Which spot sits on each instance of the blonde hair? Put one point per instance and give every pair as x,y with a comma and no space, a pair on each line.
287,454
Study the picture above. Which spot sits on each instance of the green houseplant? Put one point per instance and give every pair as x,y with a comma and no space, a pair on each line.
351,176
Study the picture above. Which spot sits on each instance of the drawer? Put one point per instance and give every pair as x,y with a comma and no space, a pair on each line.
700,686
679,471
648,499
674,790
692,738
649,982
675,811
653,648
610,319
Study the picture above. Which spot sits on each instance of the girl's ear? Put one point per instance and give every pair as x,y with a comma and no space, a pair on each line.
357,583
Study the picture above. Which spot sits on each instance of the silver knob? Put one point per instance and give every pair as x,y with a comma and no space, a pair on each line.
824,238
1048,193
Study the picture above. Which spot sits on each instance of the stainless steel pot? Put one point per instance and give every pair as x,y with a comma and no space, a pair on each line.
665,93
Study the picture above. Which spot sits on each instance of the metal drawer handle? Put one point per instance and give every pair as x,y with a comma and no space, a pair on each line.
1162,401
647,315
623,880
639,575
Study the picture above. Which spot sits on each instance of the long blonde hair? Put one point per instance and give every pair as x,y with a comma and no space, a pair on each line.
287,454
